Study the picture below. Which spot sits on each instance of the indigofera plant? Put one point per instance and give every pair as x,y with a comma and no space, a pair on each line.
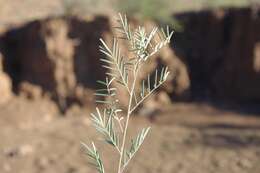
109,119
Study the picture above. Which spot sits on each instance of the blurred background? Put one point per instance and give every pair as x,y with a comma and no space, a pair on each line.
205,118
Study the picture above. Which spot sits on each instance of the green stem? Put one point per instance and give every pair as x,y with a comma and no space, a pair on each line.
127,119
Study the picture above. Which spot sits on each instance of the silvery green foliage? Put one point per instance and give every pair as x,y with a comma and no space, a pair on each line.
95,158
143,45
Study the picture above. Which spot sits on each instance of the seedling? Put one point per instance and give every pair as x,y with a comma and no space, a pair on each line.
109,120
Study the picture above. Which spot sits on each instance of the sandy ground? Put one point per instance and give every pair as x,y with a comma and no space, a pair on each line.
185,138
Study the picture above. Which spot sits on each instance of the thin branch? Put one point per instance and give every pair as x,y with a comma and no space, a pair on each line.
145,97
127,118
136,144
95,157
105,126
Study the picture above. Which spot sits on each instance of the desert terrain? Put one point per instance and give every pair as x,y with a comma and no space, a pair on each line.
205,119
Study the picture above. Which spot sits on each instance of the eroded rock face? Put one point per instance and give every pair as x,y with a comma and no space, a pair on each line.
217,56
239,78
5,84
221,49
256,62
26,57
60,57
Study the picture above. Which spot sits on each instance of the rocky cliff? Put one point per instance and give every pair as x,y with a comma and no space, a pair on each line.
216,56
221,50
59,57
